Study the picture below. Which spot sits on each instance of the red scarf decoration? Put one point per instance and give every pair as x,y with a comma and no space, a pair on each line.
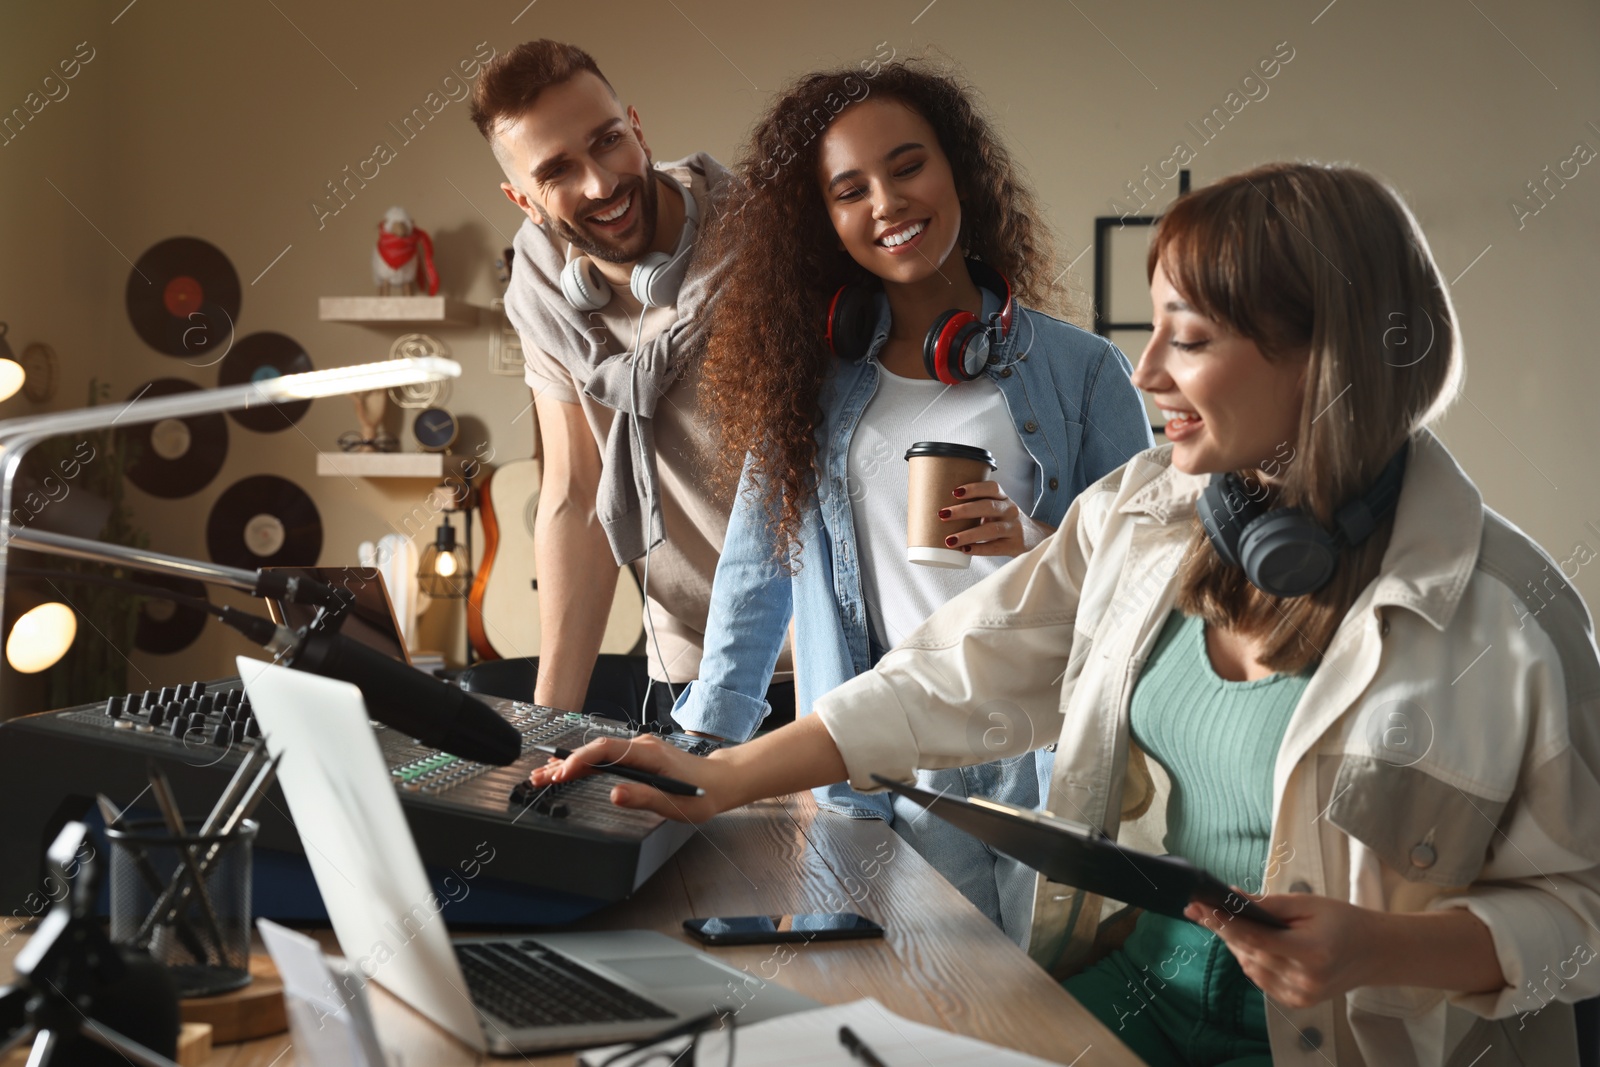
398,251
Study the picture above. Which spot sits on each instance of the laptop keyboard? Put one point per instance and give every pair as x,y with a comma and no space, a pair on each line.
529,986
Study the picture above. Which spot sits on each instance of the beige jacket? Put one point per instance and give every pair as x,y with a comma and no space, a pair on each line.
1444,754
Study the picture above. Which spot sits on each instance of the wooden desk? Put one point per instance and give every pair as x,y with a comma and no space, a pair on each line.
941,962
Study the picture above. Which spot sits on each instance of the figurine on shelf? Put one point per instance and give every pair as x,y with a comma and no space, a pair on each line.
394,261
370,408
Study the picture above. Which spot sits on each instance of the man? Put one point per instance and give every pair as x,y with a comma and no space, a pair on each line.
627,453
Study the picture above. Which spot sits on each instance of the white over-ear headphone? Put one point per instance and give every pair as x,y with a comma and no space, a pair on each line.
655,279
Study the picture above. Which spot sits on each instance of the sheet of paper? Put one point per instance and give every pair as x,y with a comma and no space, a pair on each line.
326,1003
811,1039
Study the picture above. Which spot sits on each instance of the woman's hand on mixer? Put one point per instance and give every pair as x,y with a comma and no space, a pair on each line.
646,753
799,756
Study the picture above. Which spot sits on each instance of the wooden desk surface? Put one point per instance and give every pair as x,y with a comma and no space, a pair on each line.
941,962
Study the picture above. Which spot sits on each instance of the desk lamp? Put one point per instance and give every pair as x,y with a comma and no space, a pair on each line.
49,632
11,373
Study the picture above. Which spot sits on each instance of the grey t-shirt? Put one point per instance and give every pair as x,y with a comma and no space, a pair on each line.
694,513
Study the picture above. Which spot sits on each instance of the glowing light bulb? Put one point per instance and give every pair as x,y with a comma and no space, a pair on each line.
445,565
41,637
11,378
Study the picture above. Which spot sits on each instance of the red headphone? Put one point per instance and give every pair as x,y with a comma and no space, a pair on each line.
959,344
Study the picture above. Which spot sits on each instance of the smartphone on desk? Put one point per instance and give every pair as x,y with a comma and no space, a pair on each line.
775,929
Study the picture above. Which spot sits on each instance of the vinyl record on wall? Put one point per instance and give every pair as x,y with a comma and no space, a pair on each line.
164,626
256,358
264,521
174,457
183,299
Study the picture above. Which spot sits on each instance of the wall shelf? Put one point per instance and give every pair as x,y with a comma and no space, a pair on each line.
381,464
397,310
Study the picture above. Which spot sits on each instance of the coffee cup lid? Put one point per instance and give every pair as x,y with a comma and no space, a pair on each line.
950,450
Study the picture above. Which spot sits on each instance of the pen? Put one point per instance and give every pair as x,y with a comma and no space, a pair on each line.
858,1048
161,789
661,782
152,880
170,904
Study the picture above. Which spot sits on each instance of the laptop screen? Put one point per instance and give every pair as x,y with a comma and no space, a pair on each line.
370,619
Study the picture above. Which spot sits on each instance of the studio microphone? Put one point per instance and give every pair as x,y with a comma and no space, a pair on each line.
398,695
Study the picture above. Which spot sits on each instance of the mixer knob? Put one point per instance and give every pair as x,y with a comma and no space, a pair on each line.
115,706
133,703
179,726
252,728
221,734
237,729
206,703
158,715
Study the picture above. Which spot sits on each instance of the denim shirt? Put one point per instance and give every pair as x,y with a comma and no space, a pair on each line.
1077,414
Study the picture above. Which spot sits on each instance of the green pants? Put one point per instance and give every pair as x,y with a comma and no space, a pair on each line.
1175,995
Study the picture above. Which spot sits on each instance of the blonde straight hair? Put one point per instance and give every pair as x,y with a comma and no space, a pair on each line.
1327,259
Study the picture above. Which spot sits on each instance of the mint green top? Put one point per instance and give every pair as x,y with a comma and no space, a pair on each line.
1218,741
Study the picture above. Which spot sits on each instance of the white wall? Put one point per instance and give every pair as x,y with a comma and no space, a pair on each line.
225,121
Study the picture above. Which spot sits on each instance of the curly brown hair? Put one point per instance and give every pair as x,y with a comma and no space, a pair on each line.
766,356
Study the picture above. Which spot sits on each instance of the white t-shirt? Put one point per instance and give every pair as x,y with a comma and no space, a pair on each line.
901,595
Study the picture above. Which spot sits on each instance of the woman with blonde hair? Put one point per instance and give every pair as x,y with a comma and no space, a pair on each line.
1292,646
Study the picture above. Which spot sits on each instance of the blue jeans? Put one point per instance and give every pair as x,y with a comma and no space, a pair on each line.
997,885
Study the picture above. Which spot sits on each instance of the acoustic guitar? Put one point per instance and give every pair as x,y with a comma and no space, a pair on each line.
503,615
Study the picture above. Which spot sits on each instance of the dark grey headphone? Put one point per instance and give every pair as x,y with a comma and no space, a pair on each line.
1284,551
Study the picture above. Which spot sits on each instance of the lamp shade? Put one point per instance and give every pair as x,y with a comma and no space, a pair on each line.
41,637
11,378
443,570
11,372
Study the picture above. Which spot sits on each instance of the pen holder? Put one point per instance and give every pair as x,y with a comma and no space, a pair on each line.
199,929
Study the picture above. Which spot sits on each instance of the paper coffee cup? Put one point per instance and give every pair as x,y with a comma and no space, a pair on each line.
936,469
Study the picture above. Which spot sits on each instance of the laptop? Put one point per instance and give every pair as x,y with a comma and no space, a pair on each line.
503,995
369,619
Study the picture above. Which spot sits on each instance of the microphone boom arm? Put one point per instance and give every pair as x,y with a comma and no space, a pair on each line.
20,434
139,558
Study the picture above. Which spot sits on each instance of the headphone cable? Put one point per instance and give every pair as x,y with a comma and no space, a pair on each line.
649,484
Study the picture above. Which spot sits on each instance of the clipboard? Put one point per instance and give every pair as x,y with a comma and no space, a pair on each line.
1073,854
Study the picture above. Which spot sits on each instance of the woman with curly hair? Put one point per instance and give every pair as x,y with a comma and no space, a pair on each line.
878,277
